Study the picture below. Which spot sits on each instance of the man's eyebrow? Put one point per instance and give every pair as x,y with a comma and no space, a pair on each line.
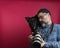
40,17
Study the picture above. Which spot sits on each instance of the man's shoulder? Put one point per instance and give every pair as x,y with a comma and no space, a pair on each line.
57,25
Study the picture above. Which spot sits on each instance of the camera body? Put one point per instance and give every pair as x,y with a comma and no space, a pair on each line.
34,25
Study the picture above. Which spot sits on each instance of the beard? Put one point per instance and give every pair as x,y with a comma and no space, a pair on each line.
43,24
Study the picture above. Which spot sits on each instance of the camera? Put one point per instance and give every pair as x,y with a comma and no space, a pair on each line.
34,25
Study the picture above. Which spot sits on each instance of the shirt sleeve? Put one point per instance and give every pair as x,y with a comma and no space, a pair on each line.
54,44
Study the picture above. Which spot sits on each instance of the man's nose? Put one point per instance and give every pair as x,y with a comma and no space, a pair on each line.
42,20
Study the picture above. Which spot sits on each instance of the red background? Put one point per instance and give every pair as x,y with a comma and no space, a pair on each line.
14,29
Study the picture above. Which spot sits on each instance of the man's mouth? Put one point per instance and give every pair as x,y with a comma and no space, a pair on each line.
43,24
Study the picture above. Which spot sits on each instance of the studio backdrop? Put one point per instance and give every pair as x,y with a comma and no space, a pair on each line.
14,29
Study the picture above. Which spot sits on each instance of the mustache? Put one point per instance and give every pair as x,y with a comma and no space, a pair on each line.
43,22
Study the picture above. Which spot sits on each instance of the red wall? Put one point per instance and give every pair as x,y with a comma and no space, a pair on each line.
14,28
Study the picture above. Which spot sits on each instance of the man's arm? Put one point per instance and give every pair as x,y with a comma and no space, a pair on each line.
54,44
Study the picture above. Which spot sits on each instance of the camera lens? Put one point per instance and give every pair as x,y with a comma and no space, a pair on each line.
37,41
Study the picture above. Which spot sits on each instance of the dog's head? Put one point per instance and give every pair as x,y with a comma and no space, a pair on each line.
33,23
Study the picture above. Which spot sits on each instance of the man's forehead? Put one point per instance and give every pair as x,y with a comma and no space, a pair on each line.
42,14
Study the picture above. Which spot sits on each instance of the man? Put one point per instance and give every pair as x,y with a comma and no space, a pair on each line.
50,32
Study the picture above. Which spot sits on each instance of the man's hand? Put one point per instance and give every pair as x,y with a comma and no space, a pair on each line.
43,43
30,38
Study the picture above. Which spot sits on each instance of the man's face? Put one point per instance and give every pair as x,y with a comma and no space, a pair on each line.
44,19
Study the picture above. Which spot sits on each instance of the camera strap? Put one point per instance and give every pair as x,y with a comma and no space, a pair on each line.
52,25
51,29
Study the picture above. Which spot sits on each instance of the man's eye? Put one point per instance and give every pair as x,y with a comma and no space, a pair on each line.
39,17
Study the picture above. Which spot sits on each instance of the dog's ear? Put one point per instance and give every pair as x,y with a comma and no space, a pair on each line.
27,18
32,23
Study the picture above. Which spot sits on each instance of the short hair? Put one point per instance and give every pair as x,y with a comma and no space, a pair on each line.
44,10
